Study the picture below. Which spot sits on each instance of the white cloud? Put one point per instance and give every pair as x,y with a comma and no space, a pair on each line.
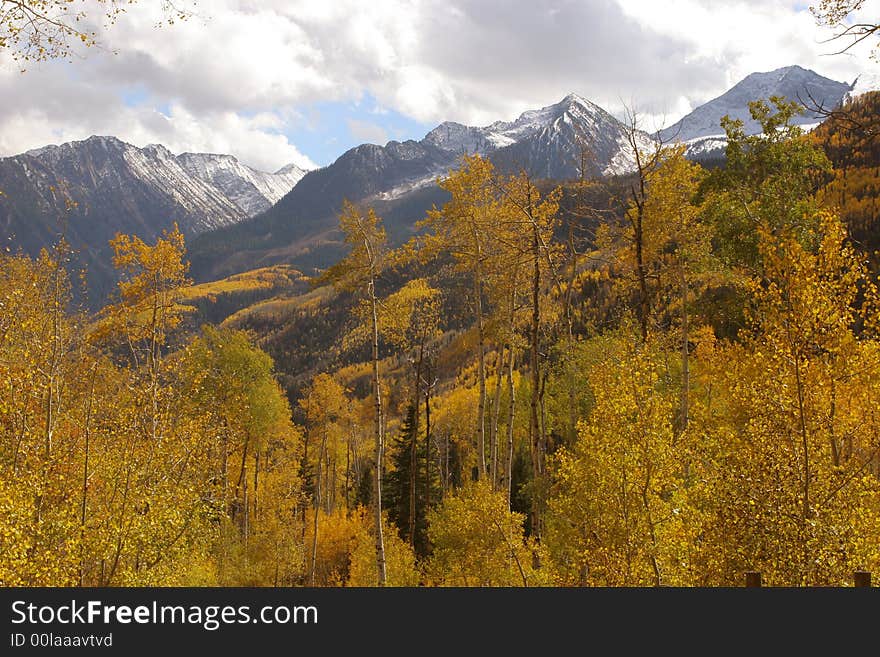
241,72
745,36
367,132
254,139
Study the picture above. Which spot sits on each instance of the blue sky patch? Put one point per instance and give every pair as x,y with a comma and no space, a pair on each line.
325,130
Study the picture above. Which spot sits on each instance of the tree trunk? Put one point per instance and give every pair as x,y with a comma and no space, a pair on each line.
317,501
537,439
154,362
496,412
640,196
685,355
805,443
481,368
641,271
237,503
256,482
377,487
347,469
85,481
428,387
511,409
655,564
246,524
447,480
413,453
51,374
569,338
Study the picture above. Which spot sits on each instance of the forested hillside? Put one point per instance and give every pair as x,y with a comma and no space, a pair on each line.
849,138
666,378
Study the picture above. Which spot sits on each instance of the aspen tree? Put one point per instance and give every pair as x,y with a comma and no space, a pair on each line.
324,404
533,220
358,272
465,227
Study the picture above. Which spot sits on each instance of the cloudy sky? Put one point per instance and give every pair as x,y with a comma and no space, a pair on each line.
279,81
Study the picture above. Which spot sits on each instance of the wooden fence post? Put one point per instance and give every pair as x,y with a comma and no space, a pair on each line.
861,578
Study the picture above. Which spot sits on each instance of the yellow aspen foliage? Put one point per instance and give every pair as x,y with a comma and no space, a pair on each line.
38,384
250,456
616,515
111,472
152,281
41,30
477,541
337,539
466,228
357,272
24,546
410,317
325,405
346,551
797,490
402,569
454,421
327,411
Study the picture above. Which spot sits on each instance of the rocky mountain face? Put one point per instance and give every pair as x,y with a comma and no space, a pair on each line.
238,218
701,129
251,190
92,189
546,142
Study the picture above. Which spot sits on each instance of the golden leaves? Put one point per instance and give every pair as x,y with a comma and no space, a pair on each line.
40,30
114,474
475,521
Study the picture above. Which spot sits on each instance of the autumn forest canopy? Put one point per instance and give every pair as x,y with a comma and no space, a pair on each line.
665,378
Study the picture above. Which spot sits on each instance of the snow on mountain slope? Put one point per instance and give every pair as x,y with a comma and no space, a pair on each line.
547,141
105,172
251,190
624,160
792,82
156,166
216,190
93,189
866,82
454,137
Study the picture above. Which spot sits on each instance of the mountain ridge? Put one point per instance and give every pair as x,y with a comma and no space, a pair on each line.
237,217
794,82
544,142
271,186
92,189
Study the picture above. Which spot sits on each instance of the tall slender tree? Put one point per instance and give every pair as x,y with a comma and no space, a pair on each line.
358,272
465,227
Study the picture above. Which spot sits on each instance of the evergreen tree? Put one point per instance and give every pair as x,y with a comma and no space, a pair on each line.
398,483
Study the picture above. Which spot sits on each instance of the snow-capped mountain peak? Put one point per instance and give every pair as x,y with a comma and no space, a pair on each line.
158,150
53,152
574,116
207,190
701,130
291,169
573,103
557,134
864,83
547,142
792,82
118,187
530,122
251,190
457,138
